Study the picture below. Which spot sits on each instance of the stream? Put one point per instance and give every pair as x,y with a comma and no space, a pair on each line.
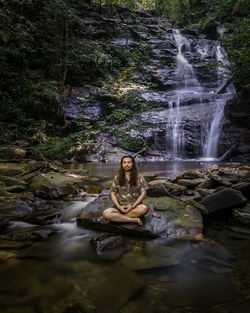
64,275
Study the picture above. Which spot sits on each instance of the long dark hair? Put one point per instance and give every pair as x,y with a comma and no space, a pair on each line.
134,173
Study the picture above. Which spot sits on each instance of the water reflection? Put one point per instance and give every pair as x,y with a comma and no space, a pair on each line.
162,168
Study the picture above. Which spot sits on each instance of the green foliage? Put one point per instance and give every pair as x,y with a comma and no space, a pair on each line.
119,117
130,143
133,101
54,148
237,43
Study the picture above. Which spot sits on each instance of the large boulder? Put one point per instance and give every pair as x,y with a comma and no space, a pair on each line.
224,198
177,220
54,185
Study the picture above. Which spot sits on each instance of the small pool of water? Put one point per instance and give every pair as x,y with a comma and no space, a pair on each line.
161,168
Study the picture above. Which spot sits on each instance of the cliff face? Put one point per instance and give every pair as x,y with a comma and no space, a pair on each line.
163,98
236,130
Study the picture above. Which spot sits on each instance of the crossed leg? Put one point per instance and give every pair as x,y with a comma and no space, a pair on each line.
133,216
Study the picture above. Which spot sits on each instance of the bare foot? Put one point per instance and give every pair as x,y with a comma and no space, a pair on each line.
155,214
139,221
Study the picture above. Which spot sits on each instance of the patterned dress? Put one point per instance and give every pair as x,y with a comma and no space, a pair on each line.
126,194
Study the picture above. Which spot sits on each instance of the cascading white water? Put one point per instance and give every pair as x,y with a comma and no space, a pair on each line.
211,145
184,68
189,85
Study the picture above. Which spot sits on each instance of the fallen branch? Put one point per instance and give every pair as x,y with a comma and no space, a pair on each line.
224,87
140,152
227,153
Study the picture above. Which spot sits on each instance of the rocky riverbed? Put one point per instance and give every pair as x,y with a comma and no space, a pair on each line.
41,248
183,202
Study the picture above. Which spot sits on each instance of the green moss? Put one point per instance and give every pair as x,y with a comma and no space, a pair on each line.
130,143
119,117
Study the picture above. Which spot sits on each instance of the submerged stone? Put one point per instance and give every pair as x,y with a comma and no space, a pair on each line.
108,246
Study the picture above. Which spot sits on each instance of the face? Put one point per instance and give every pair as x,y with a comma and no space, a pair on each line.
127,164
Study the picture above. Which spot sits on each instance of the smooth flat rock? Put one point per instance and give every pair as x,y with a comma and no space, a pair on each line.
177,220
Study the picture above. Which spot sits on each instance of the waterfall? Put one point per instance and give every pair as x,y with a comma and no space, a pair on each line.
191,85
211,145
189,88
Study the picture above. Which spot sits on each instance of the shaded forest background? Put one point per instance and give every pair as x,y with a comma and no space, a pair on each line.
45,50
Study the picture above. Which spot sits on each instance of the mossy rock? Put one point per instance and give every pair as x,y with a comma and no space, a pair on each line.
224,198
190,183
177,220
11,181
11,169
164,203
41,182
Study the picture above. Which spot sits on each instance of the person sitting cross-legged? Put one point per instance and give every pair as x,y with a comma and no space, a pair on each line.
127,193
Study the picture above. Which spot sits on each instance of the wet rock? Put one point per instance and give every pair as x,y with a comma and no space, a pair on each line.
205,192
242,214
41,182
219,180
11,181
4,193
63,191
190,183
14,153
209,183
54,185
14,210
101,283
44,217
230,176
35,233
94,189
15,245
198,206
174,188
11,169
158,253
108,246
213,168
244,187
16,188
157,191
171,188
164,203
223,199
189,175
177,220
6,256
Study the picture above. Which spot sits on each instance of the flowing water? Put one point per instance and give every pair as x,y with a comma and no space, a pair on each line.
64,275
188,85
